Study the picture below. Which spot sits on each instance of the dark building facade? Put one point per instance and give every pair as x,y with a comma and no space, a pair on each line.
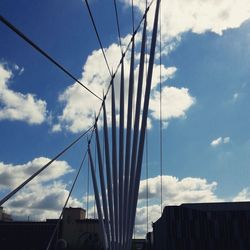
203,226
74,232
4,216
23,235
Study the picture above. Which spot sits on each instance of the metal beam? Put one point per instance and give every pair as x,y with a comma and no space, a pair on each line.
128,141
108,172
97,199
114,163
144,121
103,186
121,155
137,117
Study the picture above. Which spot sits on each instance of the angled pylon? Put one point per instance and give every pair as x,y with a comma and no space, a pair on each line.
124,160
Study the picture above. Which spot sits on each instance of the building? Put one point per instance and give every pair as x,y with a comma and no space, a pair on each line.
137,244
148,242
4,216
74,232
206,226
80,232
25,235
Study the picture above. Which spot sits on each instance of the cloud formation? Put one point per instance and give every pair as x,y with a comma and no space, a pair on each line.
219,141
176,191
178,17
175,103
198,16
80,106
13,175
243,195
40,201
44,196
18,106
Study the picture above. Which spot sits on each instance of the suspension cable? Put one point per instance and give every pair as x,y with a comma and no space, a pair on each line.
87,205
147,174
160,112
7,197
88,190
118,25
29,41
133,17
45,54
119,64
146,64
66,202
98,37
133,30
95,173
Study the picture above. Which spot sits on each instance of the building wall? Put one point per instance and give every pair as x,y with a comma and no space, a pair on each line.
71,214
4,216
25,235
1,213
204,227
77,230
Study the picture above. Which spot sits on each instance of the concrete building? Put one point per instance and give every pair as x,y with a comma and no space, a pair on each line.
204,226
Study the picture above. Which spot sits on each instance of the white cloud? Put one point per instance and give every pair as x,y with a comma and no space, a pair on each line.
13,175
44,196
90,198
166,73
178,16
216,142
40,201
176,191
175,103
235,96
226,140
243,195
56,128
198,16
80,106
18,106
219,141
167,46
154,212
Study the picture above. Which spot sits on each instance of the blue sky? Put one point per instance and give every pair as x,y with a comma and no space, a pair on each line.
206,92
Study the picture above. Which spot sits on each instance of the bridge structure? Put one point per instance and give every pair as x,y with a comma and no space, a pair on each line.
116,186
